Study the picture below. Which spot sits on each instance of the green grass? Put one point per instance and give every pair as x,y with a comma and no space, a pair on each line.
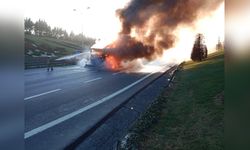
51,44
191,116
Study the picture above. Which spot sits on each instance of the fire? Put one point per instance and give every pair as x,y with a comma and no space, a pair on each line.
112,62
151,32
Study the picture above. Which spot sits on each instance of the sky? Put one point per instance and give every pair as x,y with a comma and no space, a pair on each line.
95,18
211,26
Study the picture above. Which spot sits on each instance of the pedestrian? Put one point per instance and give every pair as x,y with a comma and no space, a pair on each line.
49,64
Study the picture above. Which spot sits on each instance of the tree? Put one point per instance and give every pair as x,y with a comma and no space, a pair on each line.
48,32
42,28
37,28
219,45
65,35
59,33
54,32
199,51
28,26
71,35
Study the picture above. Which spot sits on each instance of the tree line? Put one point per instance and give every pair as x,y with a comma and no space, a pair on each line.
43,29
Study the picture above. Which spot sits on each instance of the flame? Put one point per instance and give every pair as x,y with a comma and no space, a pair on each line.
112,62
211,25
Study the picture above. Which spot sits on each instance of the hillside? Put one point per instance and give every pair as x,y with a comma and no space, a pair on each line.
42,46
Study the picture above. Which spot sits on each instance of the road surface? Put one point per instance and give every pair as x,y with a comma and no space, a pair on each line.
63,104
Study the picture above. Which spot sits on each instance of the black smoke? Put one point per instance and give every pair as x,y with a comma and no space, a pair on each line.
148,25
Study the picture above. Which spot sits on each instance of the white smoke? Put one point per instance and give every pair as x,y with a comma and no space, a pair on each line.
81,59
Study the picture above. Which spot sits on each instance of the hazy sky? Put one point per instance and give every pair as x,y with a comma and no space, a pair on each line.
99,21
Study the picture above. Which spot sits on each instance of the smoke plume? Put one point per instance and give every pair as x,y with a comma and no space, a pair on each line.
148,25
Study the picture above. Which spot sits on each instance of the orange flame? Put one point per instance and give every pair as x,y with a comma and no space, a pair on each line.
112,62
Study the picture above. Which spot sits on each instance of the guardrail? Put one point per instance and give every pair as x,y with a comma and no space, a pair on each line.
41,62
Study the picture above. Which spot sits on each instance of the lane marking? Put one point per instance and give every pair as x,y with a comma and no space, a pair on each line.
34,96
116,73
99,78
79,70
75,113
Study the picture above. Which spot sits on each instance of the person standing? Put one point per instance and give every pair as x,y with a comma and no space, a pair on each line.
49,64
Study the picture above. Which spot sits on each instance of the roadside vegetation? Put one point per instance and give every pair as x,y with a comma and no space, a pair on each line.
37,46
41,40
188,115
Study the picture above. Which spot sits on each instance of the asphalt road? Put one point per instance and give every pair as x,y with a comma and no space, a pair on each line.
63,104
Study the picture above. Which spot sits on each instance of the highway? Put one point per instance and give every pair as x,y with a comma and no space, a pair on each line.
63,104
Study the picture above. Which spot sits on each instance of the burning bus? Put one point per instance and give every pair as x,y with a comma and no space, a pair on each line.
101,56
124,49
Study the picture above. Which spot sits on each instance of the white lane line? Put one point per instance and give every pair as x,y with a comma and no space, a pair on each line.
66,117
116,73
93,80
79,70
34,96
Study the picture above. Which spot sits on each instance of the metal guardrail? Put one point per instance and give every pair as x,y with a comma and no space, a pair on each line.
41,62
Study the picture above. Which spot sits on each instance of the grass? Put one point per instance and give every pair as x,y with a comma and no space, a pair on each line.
53,44
191,114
